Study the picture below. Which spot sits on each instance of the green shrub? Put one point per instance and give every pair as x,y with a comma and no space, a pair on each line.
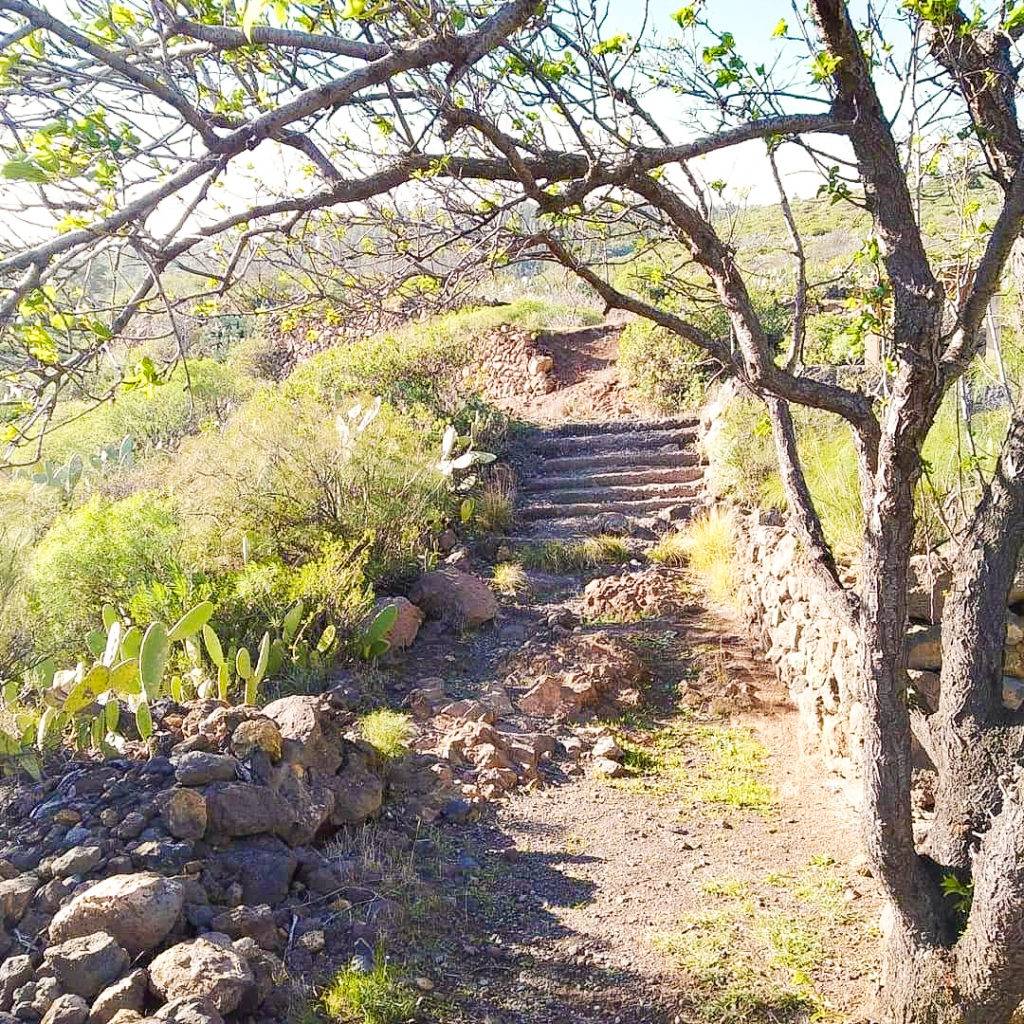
101,553
387,731
668,372
174,409
275,484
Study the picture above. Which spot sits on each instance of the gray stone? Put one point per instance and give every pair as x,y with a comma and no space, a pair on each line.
15,896
188,1011
127,994
79,860
199,768
245,809
87,965
184,813
203,970
310,731
264,867
137,910
14,972
67,1009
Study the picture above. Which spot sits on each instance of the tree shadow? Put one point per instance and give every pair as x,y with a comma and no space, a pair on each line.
518,962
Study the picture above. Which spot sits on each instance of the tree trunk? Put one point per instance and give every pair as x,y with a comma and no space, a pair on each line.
917,985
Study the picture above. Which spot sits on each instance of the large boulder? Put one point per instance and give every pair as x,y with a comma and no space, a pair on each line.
204,970
311,732
86,966
454,597
137,910
184,813
245,809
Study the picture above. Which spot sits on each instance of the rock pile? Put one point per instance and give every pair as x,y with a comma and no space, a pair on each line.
160,889
509,364
628,596
585,675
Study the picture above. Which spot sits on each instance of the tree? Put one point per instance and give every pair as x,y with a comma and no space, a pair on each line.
532,132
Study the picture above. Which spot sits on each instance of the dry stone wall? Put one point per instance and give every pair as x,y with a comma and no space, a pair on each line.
813,655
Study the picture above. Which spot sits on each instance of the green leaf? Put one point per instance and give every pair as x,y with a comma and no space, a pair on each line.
263,658
243,663
191,622
223,680
112,715
381,625
124,678
326,638
153,656
144,720
23,170
131,643
96,641
109,616
292,621
213,647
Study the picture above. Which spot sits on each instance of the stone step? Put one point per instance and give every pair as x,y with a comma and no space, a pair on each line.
571,464
621,476
612,495
630,507
625,444
622,427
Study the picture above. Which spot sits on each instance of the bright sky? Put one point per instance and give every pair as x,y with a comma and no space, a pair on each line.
752,22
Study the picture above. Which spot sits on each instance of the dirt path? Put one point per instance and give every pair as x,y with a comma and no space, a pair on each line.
715,880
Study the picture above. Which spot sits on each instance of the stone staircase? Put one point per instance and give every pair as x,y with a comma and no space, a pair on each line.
577,478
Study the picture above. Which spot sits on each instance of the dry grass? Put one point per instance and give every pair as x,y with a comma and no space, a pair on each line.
509,579
495,508
707,547
560,556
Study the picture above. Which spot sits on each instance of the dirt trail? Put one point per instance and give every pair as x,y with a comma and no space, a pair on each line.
715,881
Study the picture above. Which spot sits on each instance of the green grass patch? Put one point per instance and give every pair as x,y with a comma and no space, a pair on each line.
560,556
709,765
759,950
387,731
374,997
733,774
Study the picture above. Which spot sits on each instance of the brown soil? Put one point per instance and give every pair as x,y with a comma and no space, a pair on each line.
589,387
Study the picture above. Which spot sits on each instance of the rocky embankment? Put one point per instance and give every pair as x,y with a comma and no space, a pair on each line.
195,882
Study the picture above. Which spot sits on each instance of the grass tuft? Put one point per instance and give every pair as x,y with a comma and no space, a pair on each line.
495,508
388,731
559,556
709,547
509,579
734,773
374,997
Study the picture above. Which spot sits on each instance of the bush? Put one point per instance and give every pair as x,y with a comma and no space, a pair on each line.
102,553
709,542
174,409
668,372
388,732
275,483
